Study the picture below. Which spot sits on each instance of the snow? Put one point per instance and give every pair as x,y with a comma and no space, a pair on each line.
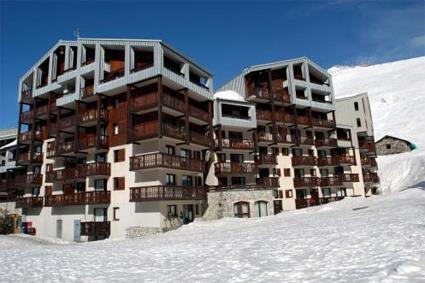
355,240
229,95
397,97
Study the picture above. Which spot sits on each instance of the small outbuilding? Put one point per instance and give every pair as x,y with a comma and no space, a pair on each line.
392,145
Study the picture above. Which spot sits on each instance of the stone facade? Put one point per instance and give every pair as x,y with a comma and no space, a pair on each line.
391,145
172,223
221,203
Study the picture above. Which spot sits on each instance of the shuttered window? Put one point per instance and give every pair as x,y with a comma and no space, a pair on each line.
119,183
119,155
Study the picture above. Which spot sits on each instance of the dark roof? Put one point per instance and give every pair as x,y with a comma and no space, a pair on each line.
388,136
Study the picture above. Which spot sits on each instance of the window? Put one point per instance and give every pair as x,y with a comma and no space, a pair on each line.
221,157
100,214
359,123
185,153
280,194
287,172
100,184
326,192
388,146
341,192
324,172
172,210
235,135
198,181
115,213
187,181
170,179
197,209
170,149
80,187
119,183
100,157
236,158
260,209
288,194
275,150
356,106
241,209
115,129
238,180
119,155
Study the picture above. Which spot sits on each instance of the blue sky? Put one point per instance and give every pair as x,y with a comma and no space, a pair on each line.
222,36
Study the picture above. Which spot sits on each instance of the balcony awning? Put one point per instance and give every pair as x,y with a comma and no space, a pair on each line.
11,144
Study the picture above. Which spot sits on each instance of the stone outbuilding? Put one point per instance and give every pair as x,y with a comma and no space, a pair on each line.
392,145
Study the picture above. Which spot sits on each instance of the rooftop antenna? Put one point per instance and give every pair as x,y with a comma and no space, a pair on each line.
77,33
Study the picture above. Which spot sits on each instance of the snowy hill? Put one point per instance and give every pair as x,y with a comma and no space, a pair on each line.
397,96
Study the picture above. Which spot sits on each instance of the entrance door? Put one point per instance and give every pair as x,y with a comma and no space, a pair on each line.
77,230
315,196
59,229
188,214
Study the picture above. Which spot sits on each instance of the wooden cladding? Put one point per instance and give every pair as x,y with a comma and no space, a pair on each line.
235,168
163,160
92,115
96,229
306,182
304,161
269,182
244,144
167,192
119,183
265,159
29,202
303,203
95,197
119,155
79,172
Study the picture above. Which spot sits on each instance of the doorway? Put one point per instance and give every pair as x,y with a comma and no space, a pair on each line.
188,213
59,228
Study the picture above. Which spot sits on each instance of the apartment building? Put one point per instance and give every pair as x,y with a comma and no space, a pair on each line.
275,130
7,164
113,135
354,115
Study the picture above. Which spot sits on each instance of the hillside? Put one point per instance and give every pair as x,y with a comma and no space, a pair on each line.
397,96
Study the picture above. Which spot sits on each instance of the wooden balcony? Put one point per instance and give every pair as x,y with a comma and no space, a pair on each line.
87,91
303,120
114,74
259,94
344,159
264,115
92,117
306,182
29,202
173,102
96,229
303,140
97,169
304,203
26,95
66,148
144,102
88,142
79,172
85,198
265,159
349,177
265,137
199,113
228,168
27,116
371,178
163,160
327,161
323,123
237,144
25,158
167,192
330,181
27,137
304,161
51,149
269,182
150,130
29,180
373,162
368,146
67,123
42,111
326,142
199,138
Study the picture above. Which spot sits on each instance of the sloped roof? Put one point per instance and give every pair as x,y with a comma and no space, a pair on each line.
388,136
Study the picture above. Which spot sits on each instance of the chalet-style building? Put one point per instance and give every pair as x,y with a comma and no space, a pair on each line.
124,138
392,145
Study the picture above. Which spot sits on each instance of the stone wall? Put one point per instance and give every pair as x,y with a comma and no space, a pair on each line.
172,223
397,146
220,203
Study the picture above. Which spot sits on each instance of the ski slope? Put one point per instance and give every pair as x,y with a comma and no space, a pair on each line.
378,239
397,97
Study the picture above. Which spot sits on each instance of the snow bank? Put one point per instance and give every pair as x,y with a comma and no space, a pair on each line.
229,95
337,242
397,97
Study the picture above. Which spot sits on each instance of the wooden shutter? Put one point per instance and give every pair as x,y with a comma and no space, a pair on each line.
48,191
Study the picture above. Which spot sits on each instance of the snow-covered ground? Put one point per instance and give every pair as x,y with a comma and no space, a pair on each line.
397,96
380,239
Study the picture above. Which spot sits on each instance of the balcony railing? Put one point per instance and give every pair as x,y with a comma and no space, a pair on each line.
269,182
173,102
237,144
145,101
330,181
323,123
163,160
173,131
199,113
304,120
367,146
97,169
327,161
115,74
199,138
66,147
51,149
371,178
95,197
265,159
79,172
326,142
92,115
96,229
303,203
29,179
306,182
67,122
29,202
27,116
28,136
167,192
25,157
235,168
89,141
304,161
42,110
343,159
349,177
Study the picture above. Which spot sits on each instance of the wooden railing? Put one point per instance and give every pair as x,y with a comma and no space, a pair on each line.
373,162
327,161
326,142
163,160
199,138
323,123
65,147
42,110
235,168
265,136
79,172
173,102
368,146
95,197
304,160
306,182
51,149
96,229
145,101
303,203
97,169
145,130
28,136
237,144
265,159
349,177
29,202
269,182
29,179
27,115
92,115
199,113
114,74
67,122
343,159
330,181
304,140
89,141
167,192
173,131
305,120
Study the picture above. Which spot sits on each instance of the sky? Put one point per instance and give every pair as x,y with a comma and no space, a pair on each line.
222,36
